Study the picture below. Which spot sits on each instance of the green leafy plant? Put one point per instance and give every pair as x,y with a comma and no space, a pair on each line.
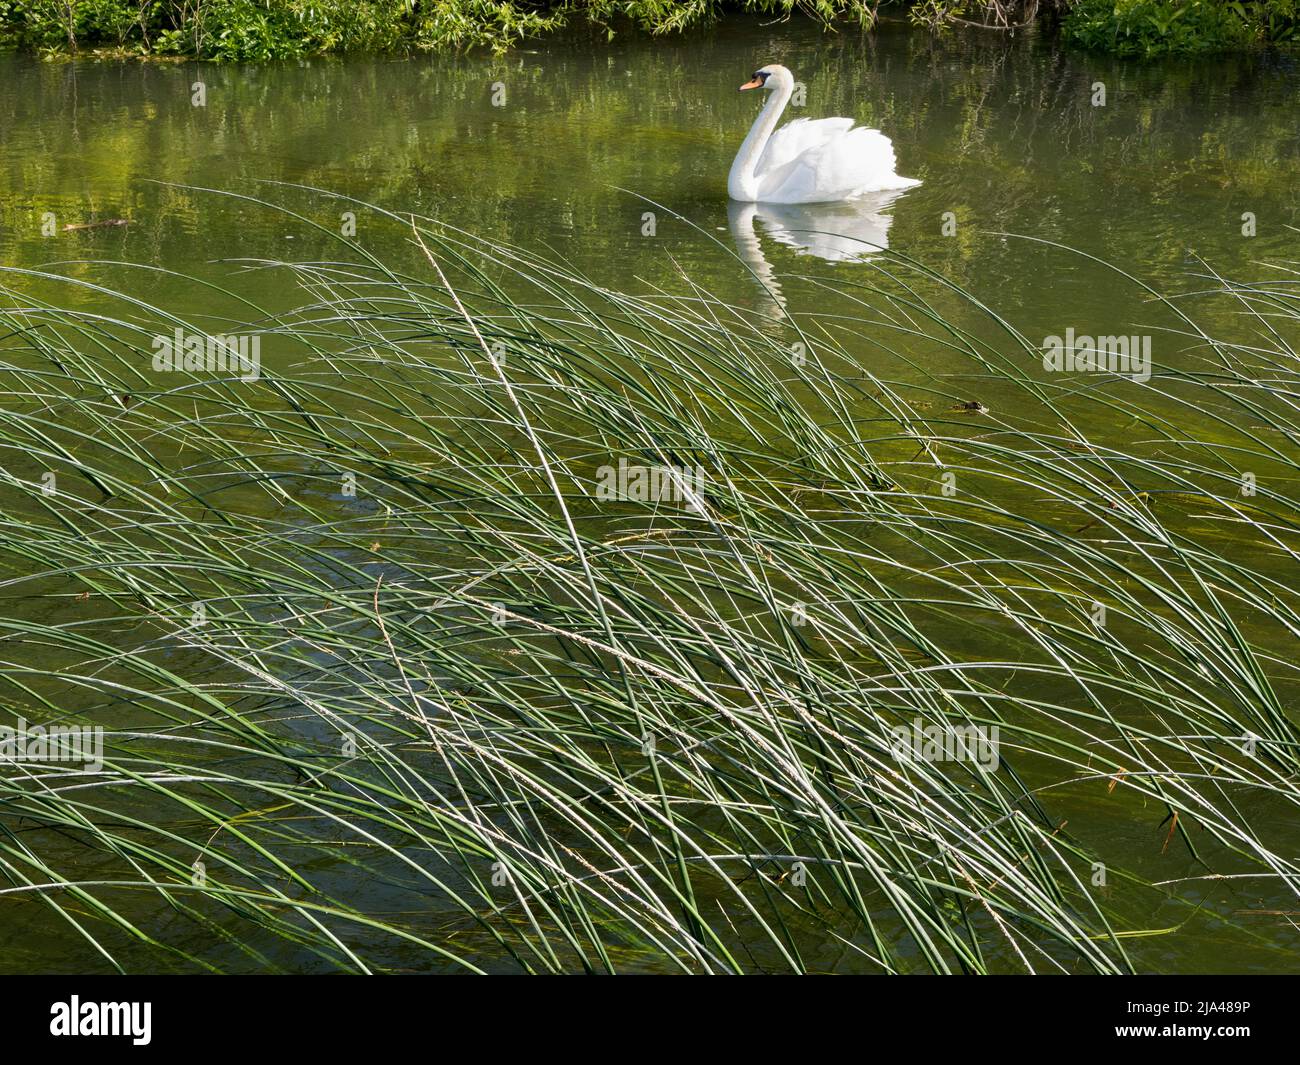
1178,27
258,30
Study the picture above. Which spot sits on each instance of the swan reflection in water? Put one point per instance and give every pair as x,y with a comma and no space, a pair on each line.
851,231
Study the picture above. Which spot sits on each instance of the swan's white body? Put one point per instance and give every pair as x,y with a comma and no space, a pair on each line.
809,160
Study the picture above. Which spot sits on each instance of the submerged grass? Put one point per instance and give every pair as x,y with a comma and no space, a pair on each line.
470,716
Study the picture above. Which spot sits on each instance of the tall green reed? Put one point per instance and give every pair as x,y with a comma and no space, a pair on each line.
389,688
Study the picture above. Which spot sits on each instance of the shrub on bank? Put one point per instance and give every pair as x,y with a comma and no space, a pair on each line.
254,30
1180,27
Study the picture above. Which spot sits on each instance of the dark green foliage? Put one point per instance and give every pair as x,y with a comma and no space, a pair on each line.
280,29
1180,27
255,30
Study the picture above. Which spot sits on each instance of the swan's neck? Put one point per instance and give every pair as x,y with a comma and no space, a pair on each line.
742,184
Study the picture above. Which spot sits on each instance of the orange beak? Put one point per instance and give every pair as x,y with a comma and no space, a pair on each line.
757,83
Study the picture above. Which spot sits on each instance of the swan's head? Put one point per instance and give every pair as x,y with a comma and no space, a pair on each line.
772,76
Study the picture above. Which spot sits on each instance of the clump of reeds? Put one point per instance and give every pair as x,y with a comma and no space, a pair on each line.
390,687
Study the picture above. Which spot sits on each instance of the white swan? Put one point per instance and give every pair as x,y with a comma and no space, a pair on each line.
810,160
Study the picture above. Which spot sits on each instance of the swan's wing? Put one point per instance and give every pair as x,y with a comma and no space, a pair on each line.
827,159
797,137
